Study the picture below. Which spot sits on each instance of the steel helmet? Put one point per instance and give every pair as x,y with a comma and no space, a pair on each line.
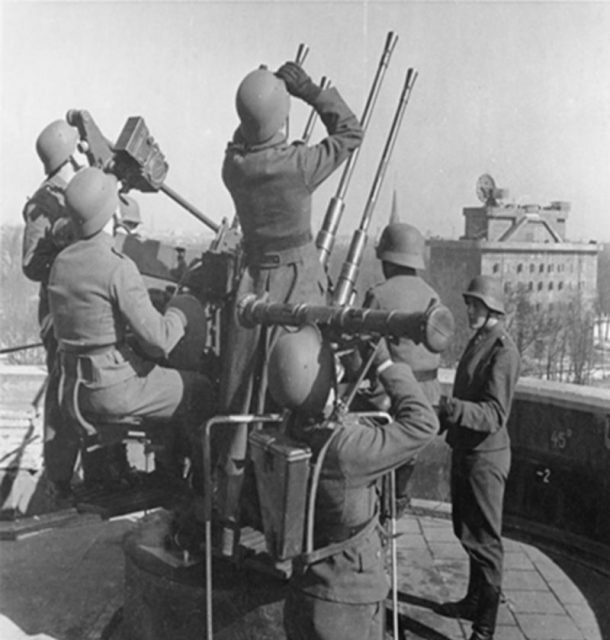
262,103
402,244
488,290
301,370
129,211
55,144
92,198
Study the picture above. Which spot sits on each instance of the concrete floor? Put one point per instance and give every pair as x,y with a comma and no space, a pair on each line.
66,583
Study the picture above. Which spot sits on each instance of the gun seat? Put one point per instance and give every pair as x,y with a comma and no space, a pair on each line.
97,431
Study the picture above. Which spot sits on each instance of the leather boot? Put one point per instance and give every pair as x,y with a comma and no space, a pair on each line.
466,607
486,615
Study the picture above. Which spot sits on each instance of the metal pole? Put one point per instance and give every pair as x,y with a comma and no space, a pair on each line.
207,498
394,553
22,347
311,121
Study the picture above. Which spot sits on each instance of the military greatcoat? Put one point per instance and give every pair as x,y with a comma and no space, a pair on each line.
97,296
476,420
271,185
340,597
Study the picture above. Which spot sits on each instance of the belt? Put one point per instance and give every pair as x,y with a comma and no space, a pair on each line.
426,375
279,252
87,351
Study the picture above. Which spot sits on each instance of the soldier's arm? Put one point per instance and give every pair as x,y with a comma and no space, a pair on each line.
156,333
490,411
38,249
378,449
344,136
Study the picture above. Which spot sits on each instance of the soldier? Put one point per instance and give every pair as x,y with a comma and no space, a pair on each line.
271,183
338,590
181,267
47,224
96,296
47,231
401,251
475,418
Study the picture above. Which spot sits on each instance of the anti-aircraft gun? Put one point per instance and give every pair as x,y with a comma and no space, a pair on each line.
139,164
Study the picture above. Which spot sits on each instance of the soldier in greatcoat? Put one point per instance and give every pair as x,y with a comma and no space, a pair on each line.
475,417
271,182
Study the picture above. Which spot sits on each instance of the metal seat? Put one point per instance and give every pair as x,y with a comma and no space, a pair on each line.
95,431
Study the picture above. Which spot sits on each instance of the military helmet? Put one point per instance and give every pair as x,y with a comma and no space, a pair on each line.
488,290
129,211
301,370
92,198
402,244
262,103
55,144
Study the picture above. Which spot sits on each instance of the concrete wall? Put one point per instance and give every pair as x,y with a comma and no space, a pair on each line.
560,475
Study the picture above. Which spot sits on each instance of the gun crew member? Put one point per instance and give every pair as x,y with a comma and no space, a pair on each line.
271,183
47,231
338,592
475,418
401,250
96,295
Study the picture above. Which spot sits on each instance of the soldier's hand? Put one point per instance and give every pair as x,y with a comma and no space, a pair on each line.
446,408
298,83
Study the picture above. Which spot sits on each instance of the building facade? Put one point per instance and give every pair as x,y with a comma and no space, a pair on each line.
526,247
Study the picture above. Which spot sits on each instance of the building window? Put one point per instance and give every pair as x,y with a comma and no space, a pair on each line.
560,285
519,268
496,268
541,268
550,268
530,286
550,286
532,268
540,286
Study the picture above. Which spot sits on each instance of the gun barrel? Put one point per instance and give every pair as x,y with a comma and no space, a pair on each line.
302,53
434,327
311,121
190,208
326,236
349,272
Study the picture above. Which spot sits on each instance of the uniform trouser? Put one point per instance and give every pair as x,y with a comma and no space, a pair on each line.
61,443
478,480
243,380
309,618
184,396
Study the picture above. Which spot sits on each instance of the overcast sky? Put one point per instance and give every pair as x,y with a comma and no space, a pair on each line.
520,90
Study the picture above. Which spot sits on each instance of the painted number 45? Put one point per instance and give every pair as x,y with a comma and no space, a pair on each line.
559,438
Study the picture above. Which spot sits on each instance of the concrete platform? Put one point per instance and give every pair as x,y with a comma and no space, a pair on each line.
68,584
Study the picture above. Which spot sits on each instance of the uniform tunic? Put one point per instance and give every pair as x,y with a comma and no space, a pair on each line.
334,597
271,185
40,248
96,296
476,420
409,294
42,213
